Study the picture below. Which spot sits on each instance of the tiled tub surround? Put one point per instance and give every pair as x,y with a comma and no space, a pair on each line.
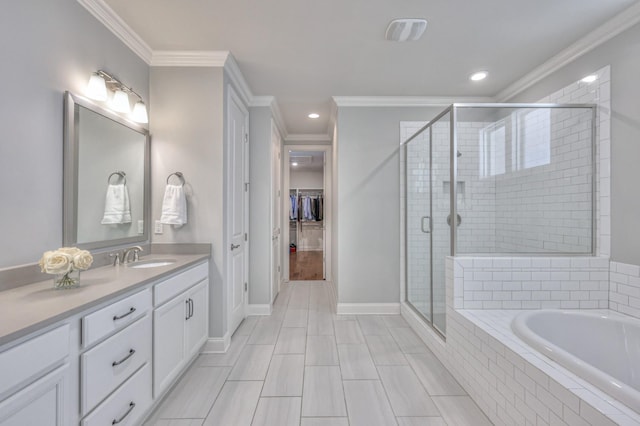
624,289
531,283
511,382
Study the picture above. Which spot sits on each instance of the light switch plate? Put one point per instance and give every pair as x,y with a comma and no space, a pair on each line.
158,227
141,226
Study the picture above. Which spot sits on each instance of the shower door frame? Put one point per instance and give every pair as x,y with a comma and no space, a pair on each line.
429,125
453,172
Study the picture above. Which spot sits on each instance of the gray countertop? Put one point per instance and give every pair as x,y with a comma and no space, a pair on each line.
28,308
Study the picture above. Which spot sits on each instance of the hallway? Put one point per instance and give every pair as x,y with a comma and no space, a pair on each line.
306,366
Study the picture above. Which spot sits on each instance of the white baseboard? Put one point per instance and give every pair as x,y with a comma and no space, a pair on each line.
368,308
255,309
217,345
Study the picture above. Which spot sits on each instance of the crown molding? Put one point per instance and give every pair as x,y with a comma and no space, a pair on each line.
618,24
276,114
110,19
303,137
403,101
189,58
237,79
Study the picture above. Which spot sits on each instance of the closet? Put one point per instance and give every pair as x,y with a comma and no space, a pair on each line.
306,212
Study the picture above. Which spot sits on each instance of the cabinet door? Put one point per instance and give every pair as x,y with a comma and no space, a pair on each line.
196,325
41,403
168,342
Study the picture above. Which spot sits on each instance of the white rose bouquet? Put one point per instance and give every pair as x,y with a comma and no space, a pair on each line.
63,263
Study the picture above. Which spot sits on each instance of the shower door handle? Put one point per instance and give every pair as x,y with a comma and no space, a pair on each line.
427,230
458,220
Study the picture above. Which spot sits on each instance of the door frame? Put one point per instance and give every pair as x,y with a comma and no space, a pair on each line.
328,202
232,97
276,173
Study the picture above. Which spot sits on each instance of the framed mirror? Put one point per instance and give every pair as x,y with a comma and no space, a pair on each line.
106,177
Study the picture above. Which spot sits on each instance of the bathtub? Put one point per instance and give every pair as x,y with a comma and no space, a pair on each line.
600,348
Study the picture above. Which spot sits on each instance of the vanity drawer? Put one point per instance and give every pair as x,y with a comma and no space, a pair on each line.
175,285
127,405
128,349
29,360
114,317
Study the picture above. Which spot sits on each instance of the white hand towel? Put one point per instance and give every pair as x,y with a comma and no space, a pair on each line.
174,206
116,205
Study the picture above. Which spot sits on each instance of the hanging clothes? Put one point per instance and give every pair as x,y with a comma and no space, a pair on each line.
293,207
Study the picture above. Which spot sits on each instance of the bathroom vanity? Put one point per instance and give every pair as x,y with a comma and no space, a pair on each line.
105,352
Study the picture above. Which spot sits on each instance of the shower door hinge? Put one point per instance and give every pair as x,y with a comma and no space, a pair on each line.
245,236
278,268
246,186
246,287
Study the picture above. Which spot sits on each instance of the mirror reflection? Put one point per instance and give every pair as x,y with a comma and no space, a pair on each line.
106,176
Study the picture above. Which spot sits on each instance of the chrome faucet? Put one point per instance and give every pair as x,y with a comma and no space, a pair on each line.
116,255
136,250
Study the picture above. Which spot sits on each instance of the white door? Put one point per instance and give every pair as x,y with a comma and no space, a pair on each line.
276,219
237,196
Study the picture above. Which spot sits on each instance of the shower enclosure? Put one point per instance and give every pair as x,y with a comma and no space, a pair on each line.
495,180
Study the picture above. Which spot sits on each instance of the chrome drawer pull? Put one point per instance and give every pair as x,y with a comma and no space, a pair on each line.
132,405
117,317
131,352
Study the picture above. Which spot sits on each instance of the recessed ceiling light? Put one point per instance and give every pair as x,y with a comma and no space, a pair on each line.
480,75
406,29
590,78
294,164
313,115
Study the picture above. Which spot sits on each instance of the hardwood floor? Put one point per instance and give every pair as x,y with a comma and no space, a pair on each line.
304,365
305,266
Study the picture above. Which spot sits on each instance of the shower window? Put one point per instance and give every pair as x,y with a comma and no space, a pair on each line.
533,142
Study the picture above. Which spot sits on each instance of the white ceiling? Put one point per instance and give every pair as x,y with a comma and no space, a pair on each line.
303,52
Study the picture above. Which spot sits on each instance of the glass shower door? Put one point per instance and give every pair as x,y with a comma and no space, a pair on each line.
419,224
428,235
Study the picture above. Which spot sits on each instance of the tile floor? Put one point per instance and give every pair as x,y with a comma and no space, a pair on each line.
306,366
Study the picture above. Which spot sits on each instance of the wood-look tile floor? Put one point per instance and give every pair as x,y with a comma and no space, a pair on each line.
305,266
306,366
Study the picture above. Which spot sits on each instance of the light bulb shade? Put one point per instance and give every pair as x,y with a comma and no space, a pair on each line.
120,102
139,114
97,88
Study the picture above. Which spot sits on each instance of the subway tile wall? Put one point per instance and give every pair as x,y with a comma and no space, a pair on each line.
624,288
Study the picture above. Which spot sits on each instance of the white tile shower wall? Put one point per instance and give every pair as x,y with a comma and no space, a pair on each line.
624,289
531,283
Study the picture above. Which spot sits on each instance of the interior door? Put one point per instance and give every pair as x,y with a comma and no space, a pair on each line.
237,193
276,202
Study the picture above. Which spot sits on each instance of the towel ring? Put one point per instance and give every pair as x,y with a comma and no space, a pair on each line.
179,175
123,175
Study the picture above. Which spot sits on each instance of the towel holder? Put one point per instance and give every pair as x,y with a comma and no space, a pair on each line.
179,175
122,174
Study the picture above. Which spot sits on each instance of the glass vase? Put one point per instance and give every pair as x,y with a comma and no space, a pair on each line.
69,280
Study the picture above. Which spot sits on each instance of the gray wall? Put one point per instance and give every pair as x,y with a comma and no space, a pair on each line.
47,47
187,116
623,54
260,205
306,179
368,201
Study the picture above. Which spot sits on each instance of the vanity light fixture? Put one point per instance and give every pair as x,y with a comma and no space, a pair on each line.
313,115
590,78
100,81
478,76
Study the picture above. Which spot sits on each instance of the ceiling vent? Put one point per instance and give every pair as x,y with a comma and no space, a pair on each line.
301,159
406,29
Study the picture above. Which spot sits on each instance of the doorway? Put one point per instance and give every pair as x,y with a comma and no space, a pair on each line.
306,215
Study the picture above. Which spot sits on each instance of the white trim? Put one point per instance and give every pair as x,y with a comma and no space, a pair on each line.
114,23
258,309
422,329
304,137
237,79
404,101
276,114
368,308
189,58
621,22
218,345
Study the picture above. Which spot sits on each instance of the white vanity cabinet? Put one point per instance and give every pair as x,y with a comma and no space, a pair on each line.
180,321
34,381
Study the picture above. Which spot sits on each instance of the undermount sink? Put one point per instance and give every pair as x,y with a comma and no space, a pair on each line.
150,263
